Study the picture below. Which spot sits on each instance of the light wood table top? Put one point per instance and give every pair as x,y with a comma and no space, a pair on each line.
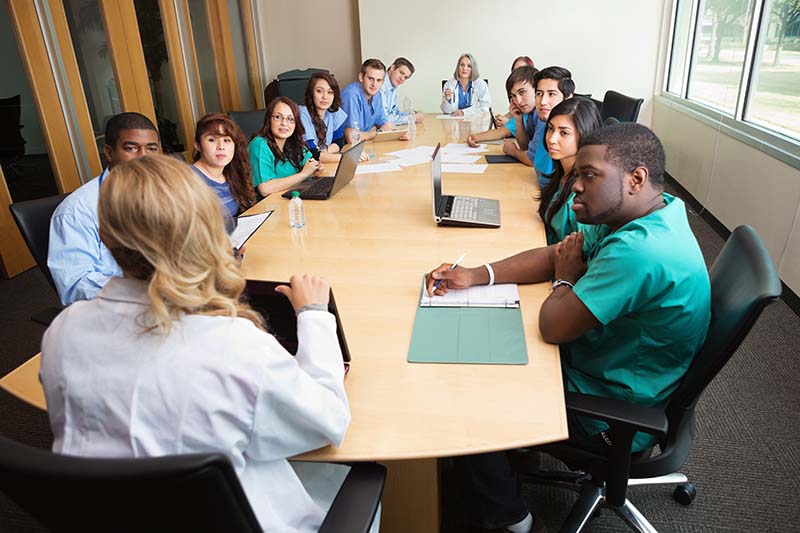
373,241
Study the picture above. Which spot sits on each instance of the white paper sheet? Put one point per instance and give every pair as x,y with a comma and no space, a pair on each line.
501,295
460,158
463,149
246,225
419,150
449,117
464,169
379,167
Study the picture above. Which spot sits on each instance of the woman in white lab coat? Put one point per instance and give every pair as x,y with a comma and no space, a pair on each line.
465,93
169,360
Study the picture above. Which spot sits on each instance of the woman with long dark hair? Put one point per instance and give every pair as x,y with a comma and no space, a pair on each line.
569,122
322,115
220,158
278,153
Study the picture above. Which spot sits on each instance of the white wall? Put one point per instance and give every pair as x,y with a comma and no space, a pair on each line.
613,44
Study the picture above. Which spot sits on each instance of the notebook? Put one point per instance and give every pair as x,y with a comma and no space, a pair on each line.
324,188
480,325
392,135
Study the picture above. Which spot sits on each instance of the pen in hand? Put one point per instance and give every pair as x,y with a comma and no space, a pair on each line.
452,267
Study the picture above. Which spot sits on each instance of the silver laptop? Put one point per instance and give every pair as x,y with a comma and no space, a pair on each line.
460,210
324,188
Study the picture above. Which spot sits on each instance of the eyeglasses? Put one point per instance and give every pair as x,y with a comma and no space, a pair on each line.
280,118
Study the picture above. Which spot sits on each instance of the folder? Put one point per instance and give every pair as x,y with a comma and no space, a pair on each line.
474,329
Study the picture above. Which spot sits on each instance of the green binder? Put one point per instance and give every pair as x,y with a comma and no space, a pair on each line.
484,335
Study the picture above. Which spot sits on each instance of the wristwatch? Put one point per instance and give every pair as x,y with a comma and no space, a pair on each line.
560,282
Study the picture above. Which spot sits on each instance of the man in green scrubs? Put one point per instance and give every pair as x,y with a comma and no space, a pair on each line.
630,302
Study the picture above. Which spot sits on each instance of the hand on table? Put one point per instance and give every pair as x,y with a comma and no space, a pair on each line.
458,278
306,290
457,113
472,142
510,147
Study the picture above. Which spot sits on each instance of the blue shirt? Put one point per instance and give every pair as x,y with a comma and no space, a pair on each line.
390,108
333,121
464,97
367,114
511,125
647,285
78,260
537,153
230,207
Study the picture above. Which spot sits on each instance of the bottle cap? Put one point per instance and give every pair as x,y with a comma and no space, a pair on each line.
295,194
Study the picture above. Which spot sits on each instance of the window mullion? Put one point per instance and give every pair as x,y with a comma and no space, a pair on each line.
750,64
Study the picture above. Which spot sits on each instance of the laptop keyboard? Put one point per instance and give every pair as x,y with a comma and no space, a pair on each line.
320,186
464,208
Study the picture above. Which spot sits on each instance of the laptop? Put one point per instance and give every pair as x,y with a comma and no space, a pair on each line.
324,188
280,316
460,210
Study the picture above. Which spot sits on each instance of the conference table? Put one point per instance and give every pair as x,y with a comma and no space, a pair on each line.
373,241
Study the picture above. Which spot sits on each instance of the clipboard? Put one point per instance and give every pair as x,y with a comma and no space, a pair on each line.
246,226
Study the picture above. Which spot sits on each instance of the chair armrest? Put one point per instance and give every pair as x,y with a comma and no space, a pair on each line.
619,413
354,507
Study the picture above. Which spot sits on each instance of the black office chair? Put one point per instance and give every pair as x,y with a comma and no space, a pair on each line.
610,121
250,122
743,282
623,108
33,220
12,144
197,493
291,84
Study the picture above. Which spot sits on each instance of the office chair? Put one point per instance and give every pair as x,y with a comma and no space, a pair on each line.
12,144
743,282
197,493
250,122
291,84
623,108
33,220
610,121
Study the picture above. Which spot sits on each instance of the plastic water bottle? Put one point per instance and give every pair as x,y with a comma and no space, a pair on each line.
297,216
356,137
412,126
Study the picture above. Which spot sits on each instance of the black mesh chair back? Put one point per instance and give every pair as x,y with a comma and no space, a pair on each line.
250,122
623,108
198,493
33,220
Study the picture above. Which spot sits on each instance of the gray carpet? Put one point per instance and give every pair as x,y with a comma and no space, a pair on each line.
745,461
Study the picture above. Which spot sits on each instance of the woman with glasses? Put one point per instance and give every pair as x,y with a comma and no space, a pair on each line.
278,154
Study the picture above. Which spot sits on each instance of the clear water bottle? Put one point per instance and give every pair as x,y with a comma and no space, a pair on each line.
356,137
412,126
297,216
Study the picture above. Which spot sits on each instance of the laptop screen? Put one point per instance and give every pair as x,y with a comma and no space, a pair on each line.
436,178
347,167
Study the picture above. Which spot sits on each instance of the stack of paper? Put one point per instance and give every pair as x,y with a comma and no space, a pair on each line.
412,156
378,167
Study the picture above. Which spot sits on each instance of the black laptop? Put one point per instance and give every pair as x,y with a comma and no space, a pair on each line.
324,188
280,317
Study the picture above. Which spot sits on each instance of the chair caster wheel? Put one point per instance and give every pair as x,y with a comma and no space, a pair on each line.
684,494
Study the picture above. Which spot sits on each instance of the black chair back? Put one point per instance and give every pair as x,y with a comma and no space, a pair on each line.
198,493
623,108
250,122
33,220
743,282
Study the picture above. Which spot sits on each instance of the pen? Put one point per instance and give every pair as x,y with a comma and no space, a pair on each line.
453,266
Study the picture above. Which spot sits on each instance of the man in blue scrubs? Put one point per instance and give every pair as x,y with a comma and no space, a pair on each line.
630,304
78,260
363,104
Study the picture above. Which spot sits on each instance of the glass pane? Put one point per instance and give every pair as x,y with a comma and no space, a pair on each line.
719,50
94,62
680,42
240,54
162,85
205,55
23,150
775,100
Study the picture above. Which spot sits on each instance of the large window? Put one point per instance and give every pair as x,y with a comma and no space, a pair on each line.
740,58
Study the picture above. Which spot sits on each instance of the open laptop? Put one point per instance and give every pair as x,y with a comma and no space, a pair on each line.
460,210
281,318
324,188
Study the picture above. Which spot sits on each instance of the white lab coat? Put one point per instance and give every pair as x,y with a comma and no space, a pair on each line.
479,103
212,384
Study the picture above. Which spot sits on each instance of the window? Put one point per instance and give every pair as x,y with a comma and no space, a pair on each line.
743,60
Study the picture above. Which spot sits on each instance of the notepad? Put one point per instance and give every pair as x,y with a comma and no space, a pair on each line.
246,226
502,295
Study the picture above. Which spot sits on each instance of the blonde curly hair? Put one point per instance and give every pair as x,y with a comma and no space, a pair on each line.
163,225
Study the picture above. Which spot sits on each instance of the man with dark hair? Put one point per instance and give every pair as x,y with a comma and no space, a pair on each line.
78,261
630,301
553,85
399,72
362,102
522,97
